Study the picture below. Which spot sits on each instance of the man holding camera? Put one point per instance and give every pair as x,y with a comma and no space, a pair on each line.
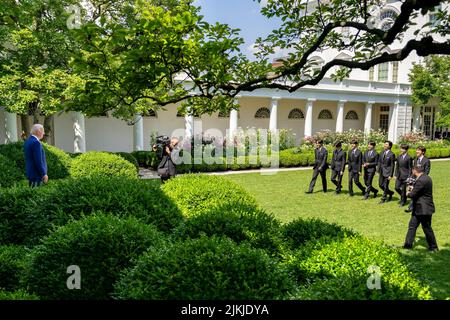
421,194
165,150
423,162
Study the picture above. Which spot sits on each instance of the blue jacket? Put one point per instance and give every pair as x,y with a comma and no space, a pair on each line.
35,162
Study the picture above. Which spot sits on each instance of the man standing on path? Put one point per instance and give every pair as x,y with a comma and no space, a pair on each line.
386,170
354,168
35,161
320,166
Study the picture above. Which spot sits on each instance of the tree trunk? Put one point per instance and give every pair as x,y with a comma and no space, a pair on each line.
48,137
26,128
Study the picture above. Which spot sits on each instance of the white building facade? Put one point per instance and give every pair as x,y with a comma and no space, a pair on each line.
367,100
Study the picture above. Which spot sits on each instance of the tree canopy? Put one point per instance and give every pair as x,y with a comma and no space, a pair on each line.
133,56
431,81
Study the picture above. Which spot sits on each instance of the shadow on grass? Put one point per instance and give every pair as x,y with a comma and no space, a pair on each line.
432,268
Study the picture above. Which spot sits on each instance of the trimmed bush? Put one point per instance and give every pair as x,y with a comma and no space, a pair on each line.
58,162
12,266
238,222
296,233
100,245
26,214
130,158
205,268
197,194
339,270
17,295
9,173
95,163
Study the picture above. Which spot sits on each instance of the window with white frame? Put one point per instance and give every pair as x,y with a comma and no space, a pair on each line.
395,71
383,71
384,118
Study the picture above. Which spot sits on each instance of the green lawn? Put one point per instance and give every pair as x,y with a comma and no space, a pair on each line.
283,194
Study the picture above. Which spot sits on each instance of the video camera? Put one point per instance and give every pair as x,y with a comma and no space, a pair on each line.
161,143
411,181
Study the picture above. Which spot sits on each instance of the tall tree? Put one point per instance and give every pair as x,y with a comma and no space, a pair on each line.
431,81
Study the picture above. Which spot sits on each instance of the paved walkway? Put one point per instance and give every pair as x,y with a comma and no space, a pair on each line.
151,174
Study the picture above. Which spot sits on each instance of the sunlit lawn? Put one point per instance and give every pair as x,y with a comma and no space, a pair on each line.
283,194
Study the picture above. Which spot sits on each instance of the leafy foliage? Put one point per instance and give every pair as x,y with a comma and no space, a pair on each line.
95,163
197,194
13,265
204,268
9,173
101,245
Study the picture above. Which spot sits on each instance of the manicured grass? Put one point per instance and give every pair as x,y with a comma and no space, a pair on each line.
284,195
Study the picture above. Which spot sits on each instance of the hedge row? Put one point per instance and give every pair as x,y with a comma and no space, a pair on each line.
26,215
130,241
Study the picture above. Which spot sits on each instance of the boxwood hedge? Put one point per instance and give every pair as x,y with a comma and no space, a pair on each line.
9,173
95,163
13,266
100,245
197,194
340,270
28,214
238,222
205,268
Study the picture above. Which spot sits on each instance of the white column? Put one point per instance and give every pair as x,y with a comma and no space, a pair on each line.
309,117
138,133
79,143
11,127
392,135
340,116
368,117
416,118
273,114
233,119
189,125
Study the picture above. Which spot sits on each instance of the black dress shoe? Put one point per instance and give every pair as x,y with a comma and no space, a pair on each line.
375,194
366,197
308,192
351,194
408,210
434,250
390,197
407,247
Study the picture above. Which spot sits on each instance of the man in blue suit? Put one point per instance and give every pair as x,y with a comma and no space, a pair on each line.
35,161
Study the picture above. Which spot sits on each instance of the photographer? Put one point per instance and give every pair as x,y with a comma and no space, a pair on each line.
164,149
421,194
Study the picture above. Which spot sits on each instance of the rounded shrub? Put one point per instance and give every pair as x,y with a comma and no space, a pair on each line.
12,266
9,173
197,194
297,232
204,268
95,163
100,245
58,162
147,159
239,223
26,214
341,269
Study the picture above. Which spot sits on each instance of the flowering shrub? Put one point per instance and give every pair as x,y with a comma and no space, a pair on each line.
413,137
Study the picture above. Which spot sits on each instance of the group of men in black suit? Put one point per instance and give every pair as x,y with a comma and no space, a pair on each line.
411,179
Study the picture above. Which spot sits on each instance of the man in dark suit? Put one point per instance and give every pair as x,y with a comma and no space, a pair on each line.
354,168
370,163
403,171
167,165
386,169
338,166
320,166
35,161
423,208
423,162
